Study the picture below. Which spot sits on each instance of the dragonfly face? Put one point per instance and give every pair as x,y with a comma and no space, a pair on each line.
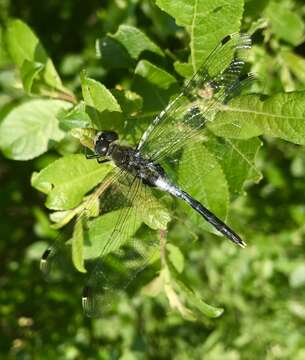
102,142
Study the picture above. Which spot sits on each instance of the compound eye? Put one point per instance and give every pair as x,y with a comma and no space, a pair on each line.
101,147
110,136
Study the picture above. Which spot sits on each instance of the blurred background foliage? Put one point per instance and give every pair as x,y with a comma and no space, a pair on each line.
261,288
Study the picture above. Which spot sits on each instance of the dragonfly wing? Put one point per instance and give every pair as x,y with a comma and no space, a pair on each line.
199,101
55,256
123,255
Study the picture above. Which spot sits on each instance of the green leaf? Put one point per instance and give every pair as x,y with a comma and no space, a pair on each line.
180,295
154,74
206,22
130,102
29,72
85,135
153,213
23,45
297,277
102,107
281,115
237,159
98,96
112,53
196,301
212,189
174,296
184,69
135,41
31,128
68,179
77,246
285,23
4,56
296,64
101,228
176,257
75,118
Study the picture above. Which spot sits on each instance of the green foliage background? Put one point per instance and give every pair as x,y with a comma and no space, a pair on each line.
149,51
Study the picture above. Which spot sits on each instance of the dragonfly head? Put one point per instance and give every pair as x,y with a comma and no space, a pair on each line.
102,141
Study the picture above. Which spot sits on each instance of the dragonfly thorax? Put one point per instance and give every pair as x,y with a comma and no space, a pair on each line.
131,160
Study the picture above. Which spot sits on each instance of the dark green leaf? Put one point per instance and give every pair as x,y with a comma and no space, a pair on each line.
112,53
130,102
154,74
135,41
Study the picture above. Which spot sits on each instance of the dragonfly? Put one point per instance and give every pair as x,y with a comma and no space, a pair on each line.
139,171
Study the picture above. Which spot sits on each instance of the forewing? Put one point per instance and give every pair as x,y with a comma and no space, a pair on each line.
199,101
123,255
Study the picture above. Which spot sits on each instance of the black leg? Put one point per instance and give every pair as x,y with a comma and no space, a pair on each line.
100,161
90,156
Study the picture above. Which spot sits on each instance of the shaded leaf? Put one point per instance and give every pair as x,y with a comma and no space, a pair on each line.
112,53
135,41
130,102
154,74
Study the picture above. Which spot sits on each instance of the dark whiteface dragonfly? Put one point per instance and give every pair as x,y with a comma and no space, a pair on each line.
127,190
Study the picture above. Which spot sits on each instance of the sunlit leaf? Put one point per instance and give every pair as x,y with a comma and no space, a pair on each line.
31,128
77,246
68,179
98,96
207,184
23,45
281,115
205,21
